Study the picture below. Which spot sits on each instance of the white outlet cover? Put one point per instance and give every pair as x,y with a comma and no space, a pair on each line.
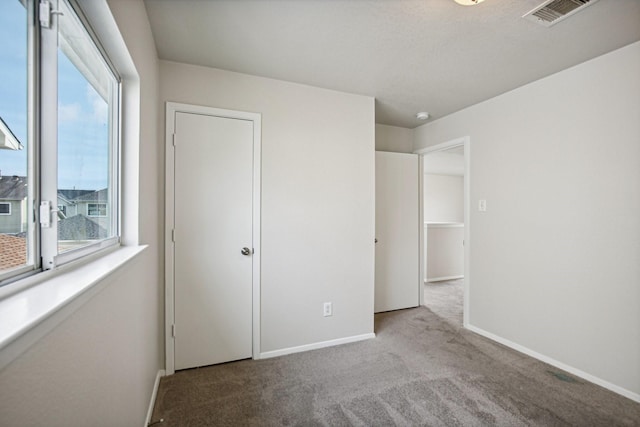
327,309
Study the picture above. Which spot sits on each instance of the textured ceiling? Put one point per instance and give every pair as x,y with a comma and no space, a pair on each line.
411,55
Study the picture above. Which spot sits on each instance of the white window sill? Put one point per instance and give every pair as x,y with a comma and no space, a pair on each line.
51,296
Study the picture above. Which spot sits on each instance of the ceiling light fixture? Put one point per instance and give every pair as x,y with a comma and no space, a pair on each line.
468,2
423,115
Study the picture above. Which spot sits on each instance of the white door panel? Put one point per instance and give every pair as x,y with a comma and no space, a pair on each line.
213,222
397,281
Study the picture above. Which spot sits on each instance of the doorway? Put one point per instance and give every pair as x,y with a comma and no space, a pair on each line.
445,235
212,236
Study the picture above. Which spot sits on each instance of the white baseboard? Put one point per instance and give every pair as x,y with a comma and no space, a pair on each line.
315,346
154,394
440,279
578,373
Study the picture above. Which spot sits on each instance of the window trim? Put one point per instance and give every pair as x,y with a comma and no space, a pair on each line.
52,296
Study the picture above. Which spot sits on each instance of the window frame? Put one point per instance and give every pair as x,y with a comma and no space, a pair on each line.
51,257
33,264
9,212
42,105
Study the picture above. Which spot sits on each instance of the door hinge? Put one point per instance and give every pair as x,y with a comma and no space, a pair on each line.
173,330
174,139
45,13
173,235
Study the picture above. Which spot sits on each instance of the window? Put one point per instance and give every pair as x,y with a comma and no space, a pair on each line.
16,231
97,209
75,160
87,119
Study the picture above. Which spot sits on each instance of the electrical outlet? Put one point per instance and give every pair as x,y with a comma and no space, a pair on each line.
327,309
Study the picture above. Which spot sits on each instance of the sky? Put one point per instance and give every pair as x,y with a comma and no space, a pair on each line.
82,113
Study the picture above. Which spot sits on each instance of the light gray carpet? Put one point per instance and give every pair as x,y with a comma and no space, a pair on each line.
421,369
444,299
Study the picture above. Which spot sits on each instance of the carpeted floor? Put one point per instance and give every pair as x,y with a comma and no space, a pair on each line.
444,299
421,369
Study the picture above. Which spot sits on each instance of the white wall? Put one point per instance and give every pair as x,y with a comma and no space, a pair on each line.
445,252
97,368
132,20
444,203
443,198
555,258
317,199
394,139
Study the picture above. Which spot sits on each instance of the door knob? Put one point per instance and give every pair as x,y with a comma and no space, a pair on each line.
245,251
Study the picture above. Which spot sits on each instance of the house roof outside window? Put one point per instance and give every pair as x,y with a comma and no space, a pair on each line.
8,141
94,196
73,194
73,228
79,227
13,251
13,187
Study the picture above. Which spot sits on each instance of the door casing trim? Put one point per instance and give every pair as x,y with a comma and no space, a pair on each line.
464,141
171,109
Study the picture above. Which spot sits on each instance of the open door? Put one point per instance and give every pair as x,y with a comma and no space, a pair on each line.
398,224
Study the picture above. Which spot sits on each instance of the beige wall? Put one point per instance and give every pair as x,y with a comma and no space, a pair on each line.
443,198
97,368
444,203
554,259
317,199
445,252
394,139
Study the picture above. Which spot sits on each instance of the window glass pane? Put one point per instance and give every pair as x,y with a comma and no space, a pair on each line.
86,98
97,209
14,192
5,208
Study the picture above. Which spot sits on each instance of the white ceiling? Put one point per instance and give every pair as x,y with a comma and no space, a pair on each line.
411,55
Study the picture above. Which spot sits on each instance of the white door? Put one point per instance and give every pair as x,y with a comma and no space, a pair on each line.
213,223
397,282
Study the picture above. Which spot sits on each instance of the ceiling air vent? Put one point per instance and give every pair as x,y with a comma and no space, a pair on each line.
553,11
